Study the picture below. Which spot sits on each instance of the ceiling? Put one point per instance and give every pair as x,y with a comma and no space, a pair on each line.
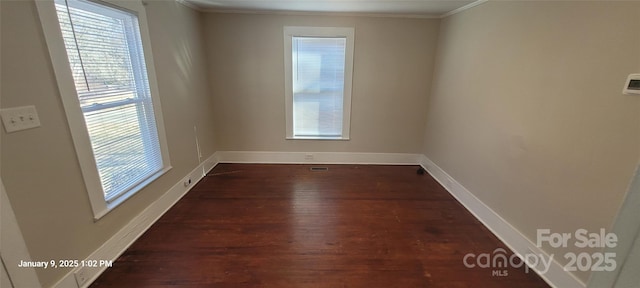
418,8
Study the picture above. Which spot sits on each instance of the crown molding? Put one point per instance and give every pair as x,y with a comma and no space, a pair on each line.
310,13
463,8
195,7
189,5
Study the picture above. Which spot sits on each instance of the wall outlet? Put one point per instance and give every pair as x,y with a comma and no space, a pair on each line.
20,118
308,157
81,277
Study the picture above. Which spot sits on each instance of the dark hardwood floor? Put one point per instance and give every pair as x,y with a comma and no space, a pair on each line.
286,226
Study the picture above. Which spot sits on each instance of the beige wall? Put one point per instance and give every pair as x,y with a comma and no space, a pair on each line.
527,112
39,166
391,81
525,109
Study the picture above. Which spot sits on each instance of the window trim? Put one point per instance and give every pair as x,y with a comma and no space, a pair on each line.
75,118
297,31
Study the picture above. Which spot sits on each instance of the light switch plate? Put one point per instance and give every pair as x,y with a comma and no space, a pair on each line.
20,118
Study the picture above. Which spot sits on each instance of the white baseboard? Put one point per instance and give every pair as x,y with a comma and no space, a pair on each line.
556,276
317,158
516,241
116,245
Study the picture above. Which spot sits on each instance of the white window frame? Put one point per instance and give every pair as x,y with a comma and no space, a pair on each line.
289,33
71,103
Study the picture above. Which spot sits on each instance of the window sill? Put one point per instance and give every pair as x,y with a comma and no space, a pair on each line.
318,138
120,199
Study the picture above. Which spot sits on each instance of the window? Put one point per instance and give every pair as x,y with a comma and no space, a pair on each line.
111,103
318,72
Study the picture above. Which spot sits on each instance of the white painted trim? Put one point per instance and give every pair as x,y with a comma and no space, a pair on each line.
264,157
627,228
346,32
324,14
509,235
71,104
12,246
463,8
185,3
75,118
119,242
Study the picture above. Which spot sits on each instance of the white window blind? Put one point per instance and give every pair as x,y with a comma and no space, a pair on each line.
318,86
105,53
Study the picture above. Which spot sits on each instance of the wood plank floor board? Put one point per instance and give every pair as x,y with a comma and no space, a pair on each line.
250,225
